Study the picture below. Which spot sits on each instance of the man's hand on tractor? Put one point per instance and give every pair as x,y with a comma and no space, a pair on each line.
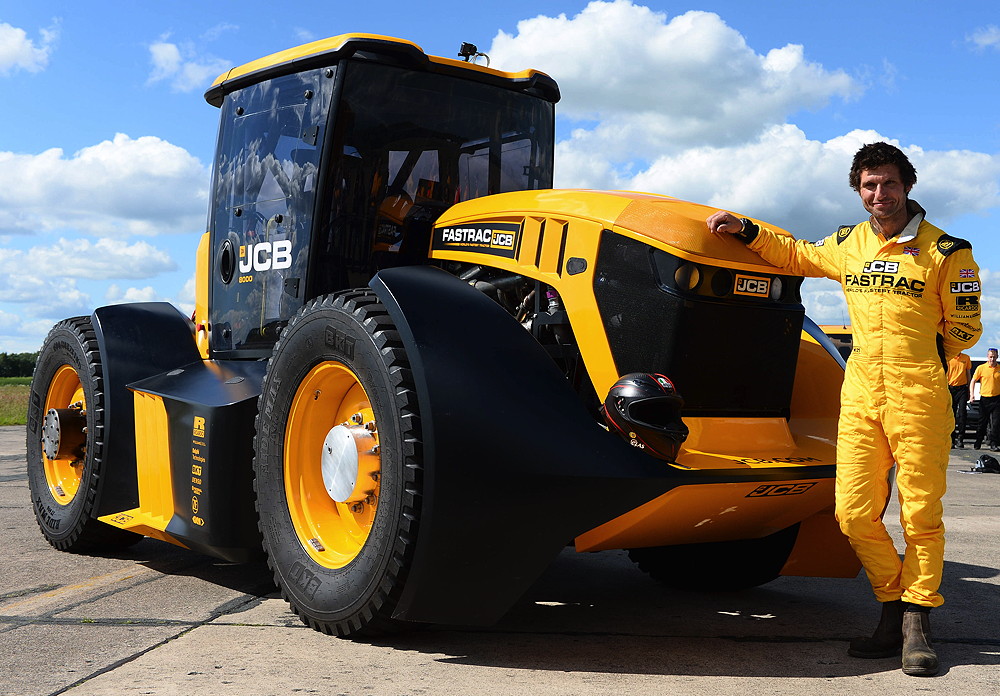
724,222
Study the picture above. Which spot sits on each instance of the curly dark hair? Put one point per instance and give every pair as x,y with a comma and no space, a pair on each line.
875,155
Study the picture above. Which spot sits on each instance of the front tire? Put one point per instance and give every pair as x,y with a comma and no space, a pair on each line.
65,441
338,465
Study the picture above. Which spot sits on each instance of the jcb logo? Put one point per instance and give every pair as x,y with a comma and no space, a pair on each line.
503,240
751,286
881,267
265,256
768,490
966,286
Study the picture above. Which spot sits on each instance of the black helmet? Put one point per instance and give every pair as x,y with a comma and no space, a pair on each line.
645,409
986,465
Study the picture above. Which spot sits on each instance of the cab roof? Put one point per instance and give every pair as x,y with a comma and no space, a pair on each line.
385,49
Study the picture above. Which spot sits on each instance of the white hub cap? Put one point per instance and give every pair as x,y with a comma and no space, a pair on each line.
345,451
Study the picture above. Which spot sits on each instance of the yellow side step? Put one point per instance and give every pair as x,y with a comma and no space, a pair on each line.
141,523
152,458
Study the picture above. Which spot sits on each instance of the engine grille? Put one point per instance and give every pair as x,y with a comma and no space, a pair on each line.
726,338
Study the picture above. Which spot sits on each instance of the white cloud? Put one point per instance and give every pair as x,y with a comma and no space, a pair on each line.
9,324
985,37
824,301
43,281
120,187
304,35
39,293
100,260
115,294
217,31
667,85
788,180
684,106
990,304
17,51
182,67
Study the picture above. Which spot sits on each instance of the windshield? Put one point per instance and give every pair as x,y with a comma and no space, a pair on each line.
409,145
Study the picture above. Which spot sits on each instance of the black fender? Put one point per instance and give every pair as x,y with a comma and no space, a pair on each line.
514,465
137,341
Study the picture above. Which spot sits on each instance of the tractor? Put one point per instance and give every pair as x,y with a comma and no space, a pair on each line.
415,372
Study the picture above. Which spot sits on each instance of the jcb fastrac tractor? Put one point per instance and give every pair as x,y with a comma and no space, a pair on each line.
415,372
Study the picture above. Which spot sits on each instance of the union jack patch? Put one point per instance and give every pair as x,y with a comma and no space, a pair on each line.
967,273
912,251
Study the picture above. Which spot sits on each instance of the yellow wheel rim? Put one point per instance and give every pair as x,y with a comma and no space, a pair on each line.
63,474
331,528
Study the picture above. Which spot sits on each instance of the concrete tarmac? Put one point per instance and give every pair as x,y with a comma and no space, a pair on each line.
158,619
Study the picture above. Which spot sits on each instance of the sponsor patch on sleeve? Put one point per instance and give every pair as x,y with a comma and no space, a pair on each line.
964,287
960,335
967,303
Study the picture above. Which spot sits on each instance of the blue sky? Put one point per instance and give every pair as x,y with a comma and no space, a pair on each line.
106,140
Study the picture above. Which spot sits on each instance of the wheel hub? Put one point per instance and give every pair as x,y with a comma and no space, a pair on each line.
350,462
64,433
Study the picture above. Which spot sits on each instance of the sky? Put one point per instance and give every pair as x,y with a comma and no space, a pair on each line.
106,141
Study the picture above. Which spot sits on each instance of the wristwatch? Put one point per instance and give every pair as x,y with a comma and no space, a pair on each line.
749,232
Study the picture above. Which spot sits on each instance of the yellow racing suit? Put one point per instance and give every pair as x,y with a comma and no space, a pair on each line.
914,303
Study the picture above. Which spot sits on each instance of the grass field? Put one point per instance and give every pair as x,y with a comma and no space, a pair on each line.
14,400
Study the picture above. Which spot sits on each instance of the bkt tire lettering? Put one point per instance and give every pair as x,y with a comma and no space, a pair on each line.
266,256
305,579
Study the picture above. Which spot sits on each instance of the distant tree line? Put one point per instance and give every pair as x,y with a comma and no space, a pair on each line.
17,364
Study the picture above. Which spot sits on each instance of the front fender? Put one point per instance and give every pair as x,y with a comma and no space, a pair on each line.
514,465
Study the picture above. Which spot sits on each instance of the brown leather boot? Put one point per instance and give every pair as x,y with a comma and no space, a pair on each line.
919,658
888,637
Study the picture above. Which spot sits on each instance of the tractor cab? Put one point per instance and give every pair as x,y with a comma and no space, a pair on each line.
335,161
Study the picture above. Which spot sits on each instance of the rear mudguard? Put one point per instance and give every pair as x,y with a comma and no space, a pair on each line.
137,340
514,465
150,348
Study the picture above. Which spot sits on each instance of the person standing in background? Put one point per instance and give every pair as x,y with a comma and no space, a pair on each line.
959,372
988,376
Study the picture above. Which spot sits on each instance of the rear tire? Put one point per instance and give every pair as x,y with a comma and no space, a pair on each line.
65,441
718,566
339,555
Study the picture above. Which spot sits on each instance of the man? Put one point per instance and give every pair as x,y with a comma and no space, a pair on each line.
913,297
959,369
988,376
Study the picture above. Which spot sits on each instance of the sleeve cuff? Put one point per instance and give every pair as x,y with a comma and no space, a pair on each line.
750,231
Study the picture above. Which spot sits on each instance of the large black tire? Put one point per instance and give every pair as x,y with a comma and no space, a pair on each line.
65,441
718,566
340,562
